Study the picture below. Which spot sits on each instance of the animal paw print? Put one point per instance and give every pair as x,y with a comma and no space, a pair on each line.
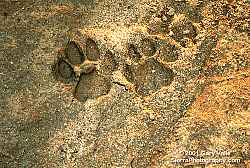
86,67
168,22
145,72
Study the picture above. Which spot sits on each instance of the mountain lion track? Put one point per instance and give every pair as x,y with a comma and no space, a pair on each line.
92,69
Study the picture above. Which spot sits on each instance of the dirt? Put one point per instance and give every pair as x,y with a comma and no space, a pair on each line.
124,83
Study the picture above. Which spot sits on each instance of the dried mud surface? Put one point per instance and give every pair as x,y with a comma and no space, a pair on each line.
125,83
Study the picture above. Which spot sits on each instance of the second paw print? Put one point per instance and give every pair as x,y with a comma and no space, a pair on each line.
144,70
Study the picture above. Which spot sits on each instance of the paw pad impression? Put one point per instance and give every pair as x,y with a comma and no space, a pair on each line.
146,73
75,65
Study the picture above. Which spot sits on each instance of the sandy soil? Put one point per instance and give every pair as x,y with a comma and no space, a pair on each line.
148,83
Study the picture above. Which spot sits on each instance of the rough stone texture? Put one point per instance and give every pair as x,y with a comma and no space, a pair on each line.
203,106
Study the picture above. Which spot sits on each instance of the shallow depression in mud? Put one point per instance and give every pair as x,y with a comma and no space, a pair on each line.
93,72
